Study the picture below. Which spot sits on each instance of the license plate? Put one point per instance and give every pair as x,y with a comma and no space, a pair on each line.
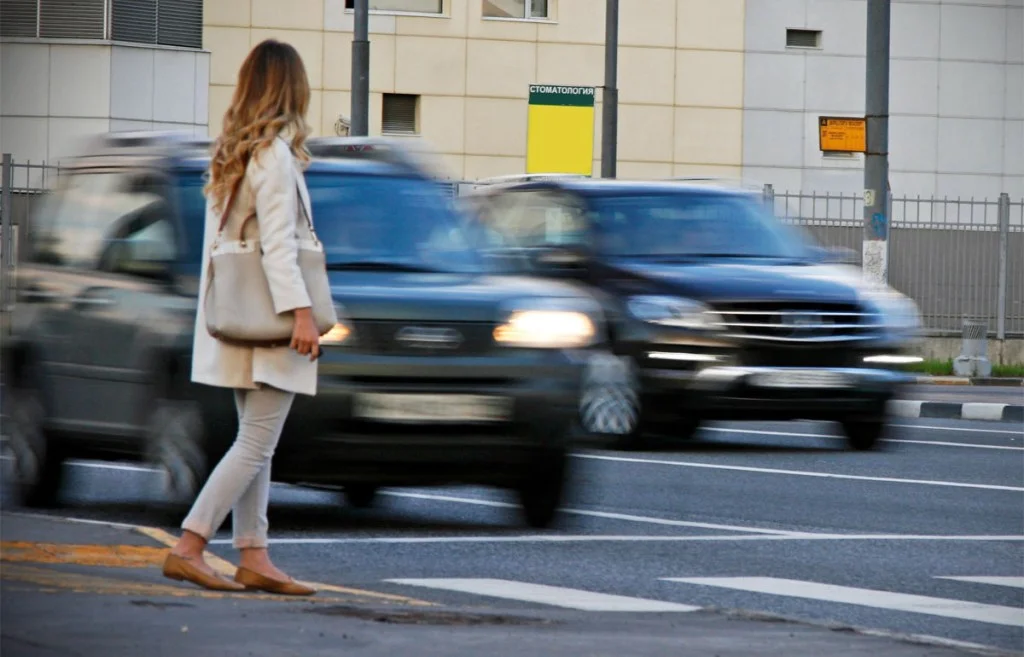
392,407
802,379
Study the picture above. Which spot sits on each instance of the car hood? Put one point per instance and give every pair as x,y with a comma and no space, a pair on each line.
717,282
437,296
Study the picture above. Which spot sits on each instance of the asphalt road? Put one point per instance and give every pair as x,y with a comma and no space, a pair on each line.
777,518
966,394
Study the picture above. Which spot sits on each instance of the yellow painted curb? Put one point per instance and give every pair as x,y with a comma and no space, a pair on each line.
944,380
228,570
110,556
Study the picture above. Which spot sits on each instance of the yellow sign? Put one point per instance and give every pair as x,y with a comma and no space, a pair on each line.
842,134
560,130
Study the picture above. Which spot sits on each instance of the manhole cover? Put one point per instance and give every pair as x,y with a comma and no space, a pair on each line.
418,617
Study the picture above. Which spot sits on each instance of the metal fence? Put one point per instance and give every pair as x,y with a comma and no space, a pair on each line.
956,258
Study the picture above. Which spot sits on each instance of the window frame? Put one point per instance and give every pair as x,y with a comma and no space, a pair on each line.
443,13
527,16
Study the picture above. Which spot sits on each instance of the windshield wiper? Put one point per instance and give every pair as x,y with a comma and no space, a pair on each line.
378,265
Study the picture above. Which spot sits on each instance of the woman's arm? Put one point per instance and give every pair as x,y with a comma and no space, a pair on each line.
272,177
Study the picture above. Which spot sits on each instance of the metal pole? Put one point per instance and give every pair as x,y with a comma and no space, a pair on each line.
361,70
610,109
876,160
1004,246
7,234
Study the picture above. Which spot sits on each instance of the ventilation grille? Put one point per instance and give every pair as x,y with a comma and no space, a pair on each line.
803,38
134,21
180,23
400,114
71,19
18,18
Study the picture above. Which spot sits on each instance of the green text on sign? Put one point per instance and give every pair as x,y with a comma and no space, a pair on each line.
566,96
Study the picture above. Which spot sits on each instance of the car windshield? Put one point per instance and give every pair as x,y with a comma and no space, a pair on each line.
691,225
368,222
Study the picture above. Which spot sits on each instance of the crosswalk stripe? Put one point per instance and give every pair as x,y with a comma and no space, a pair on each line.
919,604
1017,582
549,595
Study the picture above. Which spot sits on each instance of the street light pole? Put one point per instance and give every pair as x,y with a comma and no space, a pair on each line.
876,160
361,70
610,109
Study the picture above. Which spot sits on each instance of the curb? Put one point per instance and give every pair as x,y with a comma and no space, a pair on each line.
965,381
953,411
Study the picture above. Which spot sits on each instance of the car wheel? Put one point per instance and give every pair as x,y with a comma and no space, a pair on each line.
177,449
38,462
864,434
361,496
610,401
541,494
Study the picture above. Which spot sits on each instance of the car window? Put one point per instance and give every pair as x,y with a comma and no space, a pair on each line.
95,218
529,219
691,224
390,219
192,207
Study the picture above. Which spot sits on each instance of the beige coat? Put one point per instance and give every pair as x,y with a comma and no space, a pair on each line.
272,182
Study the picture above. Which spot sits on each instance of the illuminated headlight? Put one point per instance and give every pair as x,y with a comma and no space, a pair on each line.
674,311
340,333
550,325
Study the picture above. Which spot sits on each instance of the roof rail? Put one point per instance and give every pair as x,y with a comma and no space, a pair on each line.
714,180
527,177
396,152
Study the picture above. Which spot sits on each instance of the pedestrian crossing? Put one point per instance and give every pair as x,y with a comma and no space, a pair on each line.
583,600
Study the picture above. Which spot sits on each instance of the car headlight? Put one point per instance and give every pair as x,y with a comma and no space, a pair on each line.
550,324
341,332
673,311
896,311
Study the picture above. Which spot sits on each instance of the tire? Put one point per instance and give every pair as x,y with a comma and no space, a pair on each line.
864,435
38,458
610,405
177,447
540,496
361,496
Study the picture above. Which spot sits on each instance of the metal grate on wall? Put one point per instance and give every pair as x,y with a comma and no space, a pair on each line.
163,22
803,38
399,114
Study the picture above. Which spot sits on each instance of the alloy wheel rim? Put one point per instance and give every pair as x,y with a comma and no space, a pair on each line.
610,403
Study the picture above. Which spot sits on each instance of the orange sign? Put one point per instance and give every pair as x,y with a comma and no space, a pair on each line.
842,134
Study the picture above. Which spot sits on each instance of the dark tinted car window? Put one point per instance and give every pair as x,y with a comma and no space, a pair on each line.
690,225
192,205
404,221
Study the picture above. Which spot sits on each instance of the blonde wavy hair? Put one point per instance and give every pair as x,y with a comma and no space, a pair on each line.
271,97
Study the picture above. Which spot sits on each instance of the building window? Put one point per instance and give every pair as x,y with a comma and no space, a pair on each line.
404,6
400,114
803,38
516,9
162,22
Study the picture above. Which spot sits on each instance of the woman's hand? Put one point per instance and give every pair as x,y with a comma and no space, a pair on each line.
305,337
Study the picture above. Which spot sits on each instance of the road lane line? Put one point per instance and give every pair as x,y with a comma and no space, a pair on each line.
918,604
1016,582
555,596
790,434
799,473
638,538
966,429
595,514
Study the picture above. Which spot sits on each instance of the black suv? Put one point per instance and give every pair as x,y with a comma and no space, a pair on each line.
437,372
716,310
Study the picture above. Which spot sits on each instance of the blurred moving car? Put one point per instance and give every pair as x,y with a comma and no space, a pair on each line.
716,310
437,373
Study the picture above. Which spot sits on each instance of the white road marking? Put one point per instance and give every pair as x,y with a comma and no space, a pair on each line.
830,437
918,604
799,473
555,596
594,514
642,538
1016,582
1019,432
982,411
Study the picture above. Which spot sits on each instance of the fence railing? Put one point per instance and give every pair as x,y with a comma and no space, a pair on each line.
957,258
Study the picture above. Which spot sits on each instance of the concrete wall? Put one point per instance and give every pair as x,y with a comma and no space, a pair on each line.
956,95
54,93
1000,352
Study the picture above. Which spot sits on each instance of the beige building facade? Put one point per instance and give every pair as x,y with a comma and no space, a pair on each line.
456,73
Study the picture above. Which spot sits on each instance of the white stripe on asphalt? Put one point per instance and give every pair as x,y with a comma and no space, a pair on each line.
1016,582
555,596
594,514
918,604
932,427
888,440
982,411
642,538
800,473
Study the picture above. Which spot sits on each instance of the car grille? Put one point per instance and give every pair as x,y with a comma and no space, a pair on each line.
413,338
798,322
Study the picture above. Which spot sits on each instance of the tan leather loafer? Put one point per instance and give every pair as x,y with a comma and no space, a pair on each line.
254,581
182,570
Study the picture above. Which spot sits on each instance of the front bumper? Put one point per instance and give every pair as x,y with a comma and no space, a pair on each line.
329,441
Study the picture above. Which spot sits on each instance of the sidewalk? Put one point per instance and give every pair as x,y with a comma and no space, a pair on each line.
94,590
